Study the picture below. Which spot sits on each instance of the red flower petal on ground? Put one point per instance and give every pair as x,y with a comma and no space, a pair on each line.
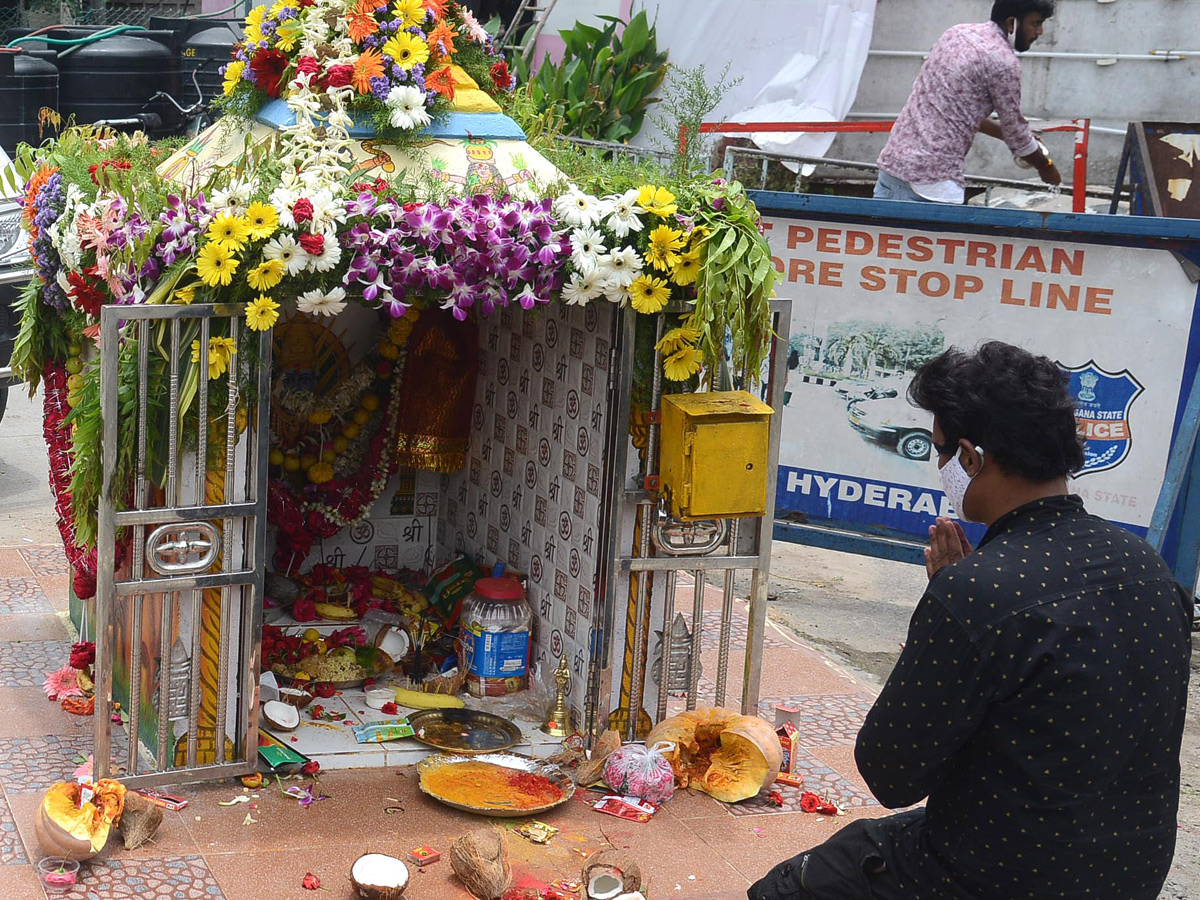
311,882
389,709
312,767
809,802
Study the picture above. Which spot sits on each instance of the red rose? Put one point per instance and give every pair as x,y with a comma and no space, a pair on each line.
775,799
338,76
311,882
313,243
324,690
302,210
316,711
83,655
389,709
304,610
267,68
809,802
312,767
307,65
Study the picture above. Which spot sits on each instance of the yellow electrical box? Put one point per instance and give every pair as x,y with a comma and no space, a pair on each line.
713,454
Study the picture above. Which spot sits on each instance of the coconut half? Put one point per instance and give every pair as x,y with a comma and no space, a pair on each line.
605,884
297,697
394,641
280,716
377,876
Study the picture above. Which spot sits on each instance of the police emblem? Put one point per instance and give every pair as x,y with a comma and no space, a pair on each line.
1102,403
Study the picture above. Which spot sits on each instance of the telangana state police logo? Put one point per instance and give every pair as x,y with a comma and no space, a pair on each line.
1102,403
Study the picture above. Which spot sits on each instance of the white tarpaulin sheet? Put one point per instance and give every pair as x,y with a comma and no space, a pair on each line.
799,60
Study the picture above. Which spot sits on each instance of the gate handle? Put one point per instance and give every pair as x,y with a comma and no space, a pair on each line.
197,538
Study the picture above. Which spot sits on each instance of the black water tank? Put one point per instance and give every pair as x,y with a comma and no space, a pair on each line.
115,77
27,84
204,53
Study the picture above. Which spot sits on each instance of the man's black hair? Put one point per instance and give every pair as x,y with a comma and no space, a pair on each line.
1009,402
1003,10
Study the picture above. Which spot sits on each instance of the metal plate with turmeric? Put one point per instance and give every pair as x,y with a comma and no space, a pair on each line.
502,785
465,731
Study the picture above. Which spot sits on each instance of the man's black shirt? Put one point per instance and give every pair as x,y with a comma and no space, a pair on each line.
1039,705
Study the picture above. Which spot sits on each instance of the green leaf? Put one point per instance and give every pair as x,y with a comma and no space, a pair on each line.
637,34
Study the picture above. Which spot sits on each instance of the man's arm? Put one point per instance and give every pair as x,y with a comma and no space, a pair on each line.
932,704
1012,127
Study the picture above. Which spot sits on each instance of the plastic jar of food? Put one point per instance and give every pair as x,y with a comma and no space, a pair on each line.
494,642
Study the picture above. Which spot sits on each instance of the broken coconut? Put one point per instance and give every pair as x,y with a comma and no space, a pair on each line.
592,770
719,751
480,859
139,821
280,716
609,874
66,827
377,876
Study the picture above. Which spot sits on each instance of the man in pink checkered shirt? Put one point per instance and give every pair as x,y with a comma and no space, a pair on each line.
972,71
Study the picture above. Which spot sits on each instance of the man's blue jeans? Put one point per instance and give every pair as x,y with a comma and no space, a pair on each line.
889,187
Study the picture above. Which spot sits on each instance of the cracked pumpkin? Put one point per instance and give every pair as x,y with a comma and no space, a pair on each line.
727,755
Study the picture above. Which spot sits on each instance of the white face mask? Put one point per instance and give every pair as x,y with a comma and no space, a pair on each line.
955,482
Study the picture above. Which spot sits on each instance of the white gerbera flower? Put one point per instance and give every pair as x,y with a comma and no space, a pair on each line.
622,265
625,210
577,209
582,288
234,198
282,199
285,249
330,255
322,303
407,104
587,246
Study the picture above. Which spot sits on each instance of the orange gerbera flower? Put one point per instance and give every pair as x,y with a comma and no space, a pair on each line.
441,81
36,183
362,21
438,7
368,65
443,34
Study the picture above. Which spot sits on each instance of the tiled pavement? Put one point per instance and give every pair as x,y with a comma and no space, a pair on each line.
694,848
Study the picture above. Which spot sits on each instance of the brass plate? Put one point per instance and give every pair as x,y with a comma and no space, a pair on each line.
465,731
503,761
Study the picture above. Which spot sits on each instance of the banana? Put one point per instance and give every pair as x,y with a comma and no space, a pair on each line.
334,611
422,700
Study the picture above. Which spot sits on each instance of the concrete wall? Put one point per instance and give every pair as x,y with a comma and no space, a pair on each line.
1112,95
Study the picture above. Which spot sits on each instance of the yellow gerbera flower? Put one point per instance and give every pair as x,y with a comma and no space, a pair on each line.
216,264
220,352
233,76
682,365
261,313
266,274
253,30
287,34
656,200
676,339
649,294
406,50
277,7
186,295
665,244
409,12
687,267
229,230
261,220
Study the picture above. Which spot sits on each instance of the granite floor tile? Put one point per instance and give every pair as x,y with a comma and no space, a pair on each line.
32,764
26,663
22,594
28,712
45,560
13,564
46,626
12,849
20,882
822,719
166,878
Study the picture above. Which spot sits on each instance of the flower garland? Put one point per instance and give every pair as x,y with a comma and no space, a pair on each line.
57,435
317,511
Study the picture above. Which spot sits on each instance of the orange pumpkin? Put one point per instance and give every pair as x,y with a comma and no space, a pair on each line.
65,828
721,752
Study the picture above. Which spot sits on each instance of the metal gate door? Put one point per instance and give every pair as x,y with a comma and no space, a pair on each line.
181,554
